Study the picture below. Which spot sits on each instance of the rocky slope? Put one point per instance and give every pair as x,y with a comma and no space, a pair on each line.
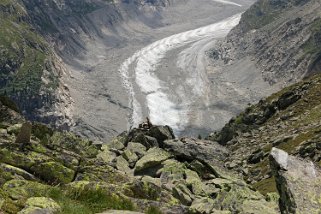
282,38
146,170
289,120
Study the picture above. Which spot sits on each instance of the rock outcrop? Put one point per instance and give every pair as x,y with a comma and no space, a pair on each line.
288,120
298,182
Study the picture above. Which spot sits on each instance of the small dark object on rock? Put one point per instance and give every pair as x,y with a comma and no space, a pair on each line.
146,124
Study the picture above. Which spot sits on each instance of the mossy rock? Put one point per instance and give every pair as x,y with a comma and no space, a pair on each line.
40,205
137,148
153,157
23,160
54,173
14,172
202,206
22,189
14,129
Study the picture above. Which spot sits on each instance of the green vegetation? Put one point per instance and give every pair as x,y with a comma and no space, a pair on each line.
24,56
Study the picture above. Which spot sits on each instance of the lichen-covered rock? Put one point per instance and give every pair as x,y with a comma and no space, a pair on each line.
16,172
14,129
298,182
137,148
202,206
144,190
145,140
172,171
182,193
117,143
22,189
130,156
153,157
43,205
123,165
54,172
106,155
194,183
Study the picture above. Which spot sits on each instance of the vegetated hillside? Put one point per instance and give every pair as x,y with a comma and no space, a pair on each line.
289,120
29,69
282,37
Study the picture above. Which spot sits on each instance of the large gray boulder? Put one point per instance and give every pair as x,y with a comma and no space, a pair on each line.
298,182
154,157
191,149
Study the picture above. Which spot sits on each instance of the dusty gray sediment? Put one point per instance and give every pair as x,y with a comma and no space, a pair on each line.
101,107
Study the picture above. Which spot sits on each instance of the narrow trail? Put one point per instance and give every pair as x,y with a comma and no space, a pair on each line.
165,100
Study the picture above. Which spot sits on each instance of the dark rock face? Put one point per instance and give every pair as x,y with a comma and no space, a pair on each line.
298,182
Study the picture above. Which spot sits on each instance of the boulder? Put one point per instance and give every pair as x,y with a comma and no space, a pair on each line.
40,205
117,143
122,165
153,157
194,183
172,171
137,148
130,156
22,189
145,140
202,206
183,194
298,183
161,133
54,172
191,149
144,190
16,172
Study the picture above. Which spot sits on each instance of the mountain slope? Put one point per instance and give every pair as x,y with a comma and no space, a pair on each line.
289,120
29,68
281,37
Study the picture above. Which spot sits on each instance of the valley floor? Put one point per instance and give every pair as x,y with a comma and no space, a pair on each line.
155,70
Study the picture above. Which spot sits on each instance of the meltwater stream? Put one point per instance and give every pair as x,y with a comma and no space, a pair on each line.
139,76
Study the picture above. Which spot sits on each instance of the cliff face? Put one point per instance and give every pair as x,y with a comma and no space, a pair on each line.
281,37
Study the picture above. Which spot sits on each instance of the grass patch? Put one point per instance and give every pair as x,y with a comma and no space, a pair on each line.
88,201
266,186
